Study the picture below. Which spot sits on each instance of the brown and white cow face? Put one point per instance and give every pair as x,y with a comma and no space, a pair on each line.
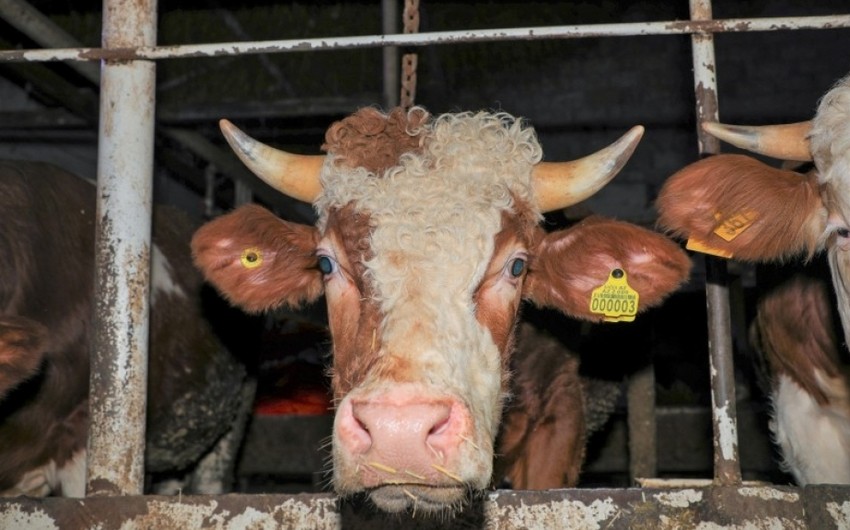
427,241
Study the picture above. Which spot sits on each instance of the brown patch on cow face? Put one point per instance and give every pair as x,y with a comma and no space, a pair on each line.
372,140
353,315
498,296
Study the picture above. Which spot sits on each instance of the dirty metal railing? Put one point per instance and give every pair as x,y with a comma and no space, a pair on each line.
119,361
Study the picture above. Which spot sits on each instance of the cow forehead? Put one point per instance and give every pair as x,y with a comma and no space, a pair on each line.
466,160
434,215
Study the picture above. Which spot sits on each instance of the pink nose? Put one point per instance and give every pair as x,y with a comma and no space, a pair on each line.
401,430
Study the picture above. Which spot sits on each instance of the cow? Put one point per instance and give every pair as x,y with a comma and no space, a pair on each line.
428,239
47,229
736,206
799,360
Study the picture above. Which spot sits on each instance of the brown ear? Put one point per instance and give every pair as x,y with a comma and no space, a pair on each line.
569,264
718,195
258,261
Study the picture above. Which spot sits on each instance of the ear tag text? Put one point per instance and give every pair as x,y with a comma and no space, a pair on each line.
615,298
732,226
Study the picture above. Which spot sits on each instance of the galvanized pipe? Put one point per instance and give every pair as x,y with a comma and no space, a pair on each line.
727,468
629,29
123,250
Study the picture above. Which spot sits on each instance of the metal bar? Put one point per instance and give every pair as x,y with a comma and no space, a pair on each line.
727,468
630,29
643,429
32,23
748,506
389,21
122,252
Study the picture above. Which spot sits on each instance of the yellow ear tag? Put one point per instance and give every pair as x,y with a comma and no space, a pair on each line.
733,226
615,298
698,246
251,258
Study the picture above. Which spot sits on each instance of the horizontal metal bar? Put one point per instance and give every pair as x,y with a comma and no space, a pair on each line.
745,506
678,27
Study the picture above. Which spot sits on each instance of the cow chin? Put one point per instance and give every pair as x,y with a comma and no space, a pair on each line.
417,498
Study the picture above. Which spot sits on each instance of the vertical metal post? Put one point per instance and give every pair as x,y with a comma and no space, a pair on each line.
643,429
727,468
392,79
123,247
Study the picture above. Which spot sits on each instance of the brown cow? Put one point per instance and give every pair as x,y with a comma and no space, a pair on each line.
46,285
428,239
741,207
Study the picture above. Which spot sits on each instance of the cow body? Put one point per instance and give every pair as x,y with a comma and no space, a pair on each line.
46,306
775,215
809,381
428,240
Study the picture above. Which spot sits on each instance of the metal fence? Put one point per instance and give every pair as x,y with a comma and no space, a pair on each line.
125,168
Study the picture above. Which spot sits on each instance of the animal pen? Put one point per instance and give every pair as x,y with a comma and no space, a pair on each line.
129,56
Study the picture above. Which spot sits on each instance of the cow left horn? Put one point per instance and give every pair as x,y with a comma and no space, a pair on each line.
296,176
785,142
561,184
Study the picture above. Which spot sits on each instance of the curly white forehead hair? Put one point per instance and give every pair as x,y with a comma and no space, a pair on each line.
830,135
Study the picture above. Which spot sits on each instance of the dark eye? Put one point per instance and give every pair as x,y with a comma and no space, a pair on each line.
326,265
517,267
843,232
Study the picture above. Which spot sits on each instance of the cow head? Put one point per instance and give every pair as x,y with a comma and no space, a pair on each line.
780,213
427,241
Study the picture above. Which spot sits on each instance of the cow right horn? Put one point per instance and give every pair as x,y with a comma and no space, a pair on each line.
561,184
785,142
296,176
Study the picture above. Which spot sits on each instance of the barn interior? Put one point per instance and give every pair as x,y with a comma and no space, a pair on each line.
578,93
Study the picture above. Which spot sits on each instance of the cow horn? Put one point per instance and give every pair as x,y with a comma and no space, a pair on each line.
561,184
784,142
296,176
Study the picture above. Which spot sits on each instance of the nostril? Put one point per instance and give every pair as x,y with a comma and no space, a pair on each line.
440,427
361,424
352,431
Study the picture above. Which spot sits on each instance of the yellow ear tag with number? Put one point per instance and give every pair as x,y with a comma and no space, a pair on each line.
615,298
251,258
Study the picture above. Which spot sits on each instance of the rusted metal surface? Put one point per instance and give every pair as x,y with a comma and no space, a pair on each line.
727,468
643,457
715,507
629,29
122,255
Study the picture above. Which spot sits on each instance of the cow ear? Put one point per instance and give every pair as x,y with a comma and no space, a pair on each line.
568,265
258,261
740,207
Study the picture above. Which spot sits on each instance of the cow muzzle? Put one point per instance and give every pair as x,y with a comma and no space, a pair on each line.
409,448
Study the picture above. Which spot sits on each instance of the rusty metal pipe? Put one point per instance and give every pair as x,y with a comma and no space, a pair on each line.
118,383
727,467
628,29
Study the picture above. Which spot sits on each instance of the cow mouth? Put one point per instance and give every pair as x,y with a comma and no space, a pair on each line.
418,498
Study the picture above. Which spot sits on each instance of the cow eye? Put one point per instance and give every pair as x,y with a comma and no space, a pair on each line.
326,265
517,266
